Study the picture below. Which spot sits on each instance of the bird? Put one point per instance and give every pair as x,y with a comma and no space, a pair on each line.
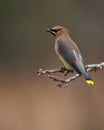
68,52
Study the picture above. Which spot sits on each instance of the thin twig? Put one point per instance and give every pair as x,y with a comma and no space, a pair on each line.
50,71
47,71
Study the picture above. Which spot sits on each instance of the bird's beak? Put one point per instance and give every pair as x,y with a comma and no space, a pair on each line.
51,31
48,30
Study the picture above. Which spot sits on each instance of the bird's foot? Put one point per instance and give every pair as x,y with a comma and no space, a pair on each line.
68,71
62,70
65,71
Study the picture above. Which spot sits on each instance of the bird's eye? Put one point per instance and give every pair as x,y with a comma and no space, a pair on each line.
55,30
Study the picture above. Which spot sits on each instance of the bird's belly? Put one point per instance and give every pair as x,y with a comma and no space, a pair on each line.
67,66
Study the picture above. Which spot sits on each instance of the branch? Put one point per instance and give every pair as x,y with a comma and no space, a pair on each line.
64,83
49,71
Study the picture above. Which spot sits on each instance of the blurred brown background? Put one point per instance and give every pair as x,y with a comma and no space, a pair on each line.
35,103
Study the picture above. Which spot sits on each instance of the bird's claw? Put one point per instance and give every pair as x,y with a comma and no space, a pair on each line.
68,71
62,69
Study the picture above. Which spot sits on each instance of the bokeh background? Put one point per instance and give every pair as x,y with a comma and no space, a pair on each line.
30,102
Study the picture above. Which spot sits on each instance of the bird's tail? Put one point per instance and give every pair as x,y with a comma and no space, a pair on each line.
88,79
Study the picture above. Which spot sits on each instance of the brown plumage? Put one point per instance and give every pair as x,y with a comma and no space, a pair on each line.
68,52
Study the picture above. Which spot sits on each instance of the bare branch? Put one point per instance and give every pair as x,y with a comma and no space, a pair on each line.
47,71
95,66
50,71
64,83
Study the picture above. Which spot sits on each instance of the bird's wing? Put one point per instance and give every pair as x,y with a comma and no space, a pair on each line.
71,59
71,55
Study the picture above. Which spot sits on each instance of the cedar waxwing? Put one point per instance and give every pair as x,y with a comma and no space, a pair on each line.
68,52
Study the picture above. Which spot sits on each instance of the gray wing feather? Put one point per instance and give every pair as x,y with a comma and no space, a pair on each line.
71,54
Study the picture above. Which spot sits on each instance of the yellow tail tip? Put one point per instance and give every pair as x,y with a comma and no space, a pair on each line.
90,82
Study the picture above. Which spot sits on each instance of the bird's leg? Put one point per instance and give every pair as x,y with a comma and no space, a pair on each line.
68,71
62,69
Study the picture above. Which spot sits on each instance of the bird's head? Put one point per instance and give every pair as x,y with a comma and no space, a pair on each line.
57,31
